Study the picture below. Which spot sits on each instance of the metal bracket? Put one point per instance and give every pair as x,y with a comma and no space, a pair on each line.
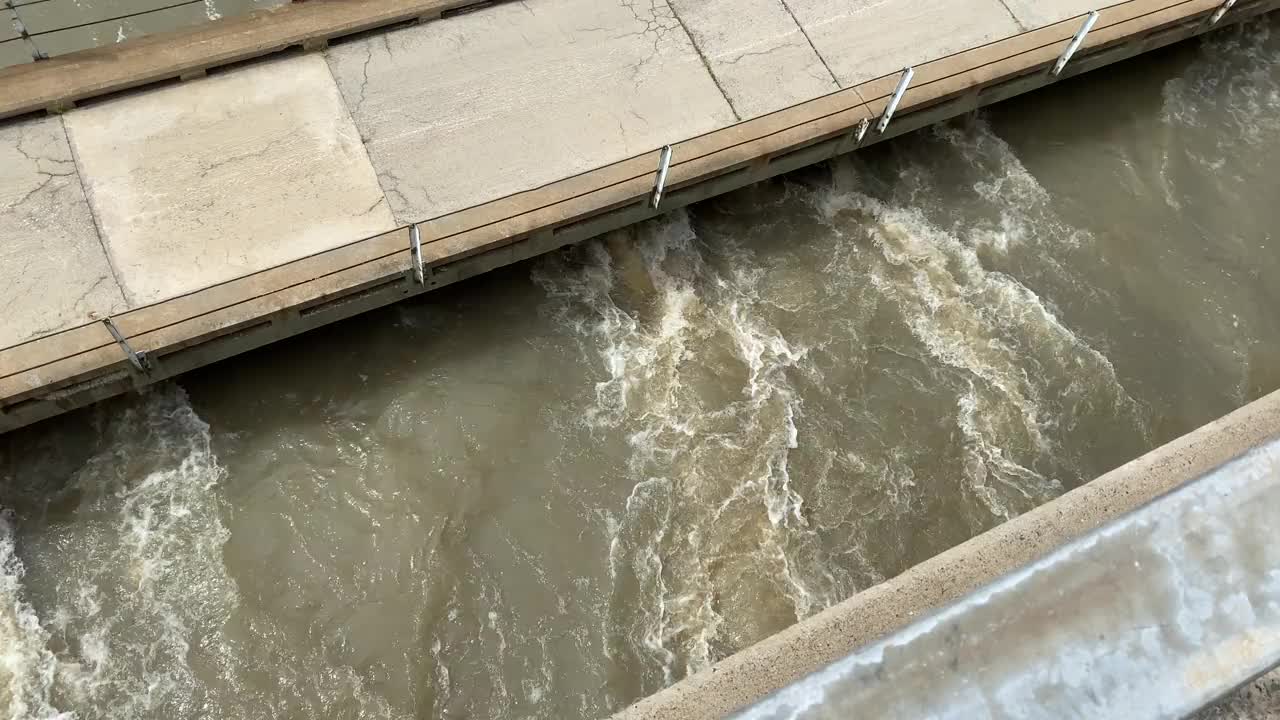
861,132
139,360
1222,10
1075,42
907,73
415,253
660,183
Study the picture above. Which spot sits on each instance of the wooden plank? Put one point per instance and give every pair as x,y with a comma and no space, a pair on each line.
66,79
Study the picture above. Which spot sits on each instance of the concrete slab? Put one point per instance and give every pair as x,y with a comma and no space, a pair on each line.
864,39
1037,13
518,95
53,271
757,52
14,53
197,183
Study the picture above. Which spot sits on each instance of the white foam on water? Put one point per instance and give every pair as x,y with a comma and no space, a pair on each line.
136,581
986,324
28,669
711,481
1231,91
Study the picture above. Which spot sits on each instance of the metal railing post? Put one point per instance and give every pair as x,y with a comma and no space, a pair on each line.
139,360
415,252
907,73
1075,42
1222,10
660,182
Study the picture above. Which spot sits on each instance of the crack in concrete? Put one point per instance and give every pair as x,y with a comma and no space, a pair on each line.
364,70
390,184
242,156
85,295
754,53
656,24
126,296
372,207
710,73
808,39
1014,16
35,159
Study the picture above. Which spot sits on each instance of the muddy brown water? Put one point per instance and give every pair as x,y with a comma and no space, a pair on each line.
559,487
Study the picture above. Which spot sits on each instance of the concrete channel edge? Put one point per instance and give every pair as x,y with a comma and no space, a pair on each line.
877,612
71,368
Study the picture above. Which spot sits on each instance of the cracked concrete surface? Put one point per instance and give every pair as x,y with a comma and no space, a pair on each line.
198,183
515,96
55,273
758,53
864,39
194,184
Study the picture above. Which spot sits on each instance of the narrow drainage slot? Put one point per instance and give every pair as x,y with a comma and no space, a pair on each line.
469,8
707,188
820,148
177,356
366,32
1168,35
596,219
23,405
124,91
351,297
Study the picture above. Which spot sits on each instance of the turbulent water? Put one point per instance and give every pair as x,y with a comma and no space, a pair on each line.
557,488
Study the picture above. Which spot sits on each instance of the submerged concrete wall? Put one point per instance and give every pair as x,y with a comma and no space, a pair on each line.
234,210
875,613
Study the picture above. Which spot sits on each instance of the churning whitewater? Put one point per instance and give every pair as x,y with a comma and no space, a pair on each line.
557,488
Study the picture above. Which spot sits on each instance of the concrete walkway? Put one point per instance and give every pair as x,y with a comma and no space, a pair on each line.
217,214
159,193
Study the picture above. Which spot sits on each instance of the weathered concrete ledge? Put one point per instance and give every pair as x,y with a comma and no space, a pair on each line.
236,118
875,613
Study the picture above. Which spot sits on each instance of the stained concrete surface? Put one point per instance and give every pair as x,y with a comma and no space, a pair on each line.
864,39
758,53
55,271
209,180
490,103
